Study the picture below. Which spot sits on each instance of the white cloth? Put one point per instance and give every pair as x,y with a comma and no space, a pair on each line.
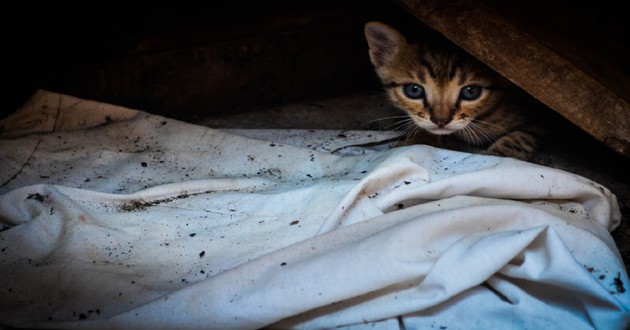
115,218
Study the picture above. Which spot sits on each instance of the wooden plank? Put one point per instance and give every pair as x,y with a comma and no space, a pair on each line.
539,69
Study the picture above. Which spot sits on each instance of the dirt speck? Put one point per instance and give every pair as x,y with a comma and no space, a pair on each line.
619,284
38,197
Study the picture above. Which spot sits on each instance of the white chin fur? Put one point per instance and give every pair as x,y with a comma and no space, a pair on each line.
441,131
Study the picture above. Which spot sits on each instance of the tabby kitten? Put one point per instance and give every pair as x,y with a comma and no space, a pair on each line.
444,91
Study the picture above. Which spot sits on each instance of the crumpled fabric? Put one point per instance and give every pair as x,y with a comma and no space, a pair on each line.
114,218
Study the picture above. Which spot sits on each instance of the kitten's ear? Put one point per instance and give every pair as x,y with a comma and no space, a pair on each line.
384,41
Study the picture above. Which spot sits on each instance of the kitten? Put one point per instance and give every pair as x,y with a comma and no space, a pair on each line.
446,92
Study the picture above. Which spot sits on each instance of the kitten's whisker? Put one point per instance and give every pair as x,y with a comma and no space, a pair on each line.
482,136
387,118
412,128
402,125
409,128
469,135
491,124
405,127
473,137
480,131
403,116
488,132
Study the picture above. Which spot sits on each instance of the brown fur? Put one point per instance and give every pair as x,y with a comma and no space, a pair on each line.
492,114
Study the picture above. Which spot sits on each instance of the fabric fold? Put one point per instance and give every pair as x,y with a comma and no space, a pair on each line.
145,222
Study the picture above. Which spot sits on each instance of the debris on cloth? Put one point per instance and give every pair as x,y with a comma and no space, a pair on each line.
113,218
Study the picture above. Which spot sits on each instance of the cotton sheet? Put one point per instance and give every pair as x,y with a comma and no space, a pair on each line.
114,218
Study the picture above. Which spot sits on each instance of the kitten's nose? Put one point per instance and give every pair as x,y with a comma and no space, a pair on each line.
440,121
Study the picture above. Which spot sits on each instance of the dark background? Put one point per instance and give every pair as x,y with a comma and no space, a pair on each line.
190,59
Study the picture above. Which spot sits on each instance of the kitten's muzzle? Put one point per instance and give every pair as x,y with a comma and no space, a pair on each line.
441,121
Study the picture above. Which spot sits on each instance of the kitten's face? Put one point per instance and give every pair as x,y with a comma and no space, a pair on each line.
441,89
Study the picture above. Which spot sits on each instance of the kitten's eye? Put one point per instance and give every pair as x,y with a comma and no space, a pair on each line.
470,93
413,91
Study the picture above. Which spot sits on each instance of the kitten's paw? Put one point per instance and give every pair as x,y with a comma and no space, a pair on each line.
519,145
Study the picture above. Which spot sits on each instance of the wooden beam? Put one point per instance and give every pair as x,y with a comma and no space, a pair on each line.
523,57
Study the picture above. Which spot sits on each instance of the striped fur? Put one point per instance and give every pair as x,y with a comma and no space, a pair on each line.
446,92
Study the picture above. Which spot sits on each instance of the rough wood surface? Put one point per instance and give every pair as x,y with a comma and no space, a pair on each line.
530,60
